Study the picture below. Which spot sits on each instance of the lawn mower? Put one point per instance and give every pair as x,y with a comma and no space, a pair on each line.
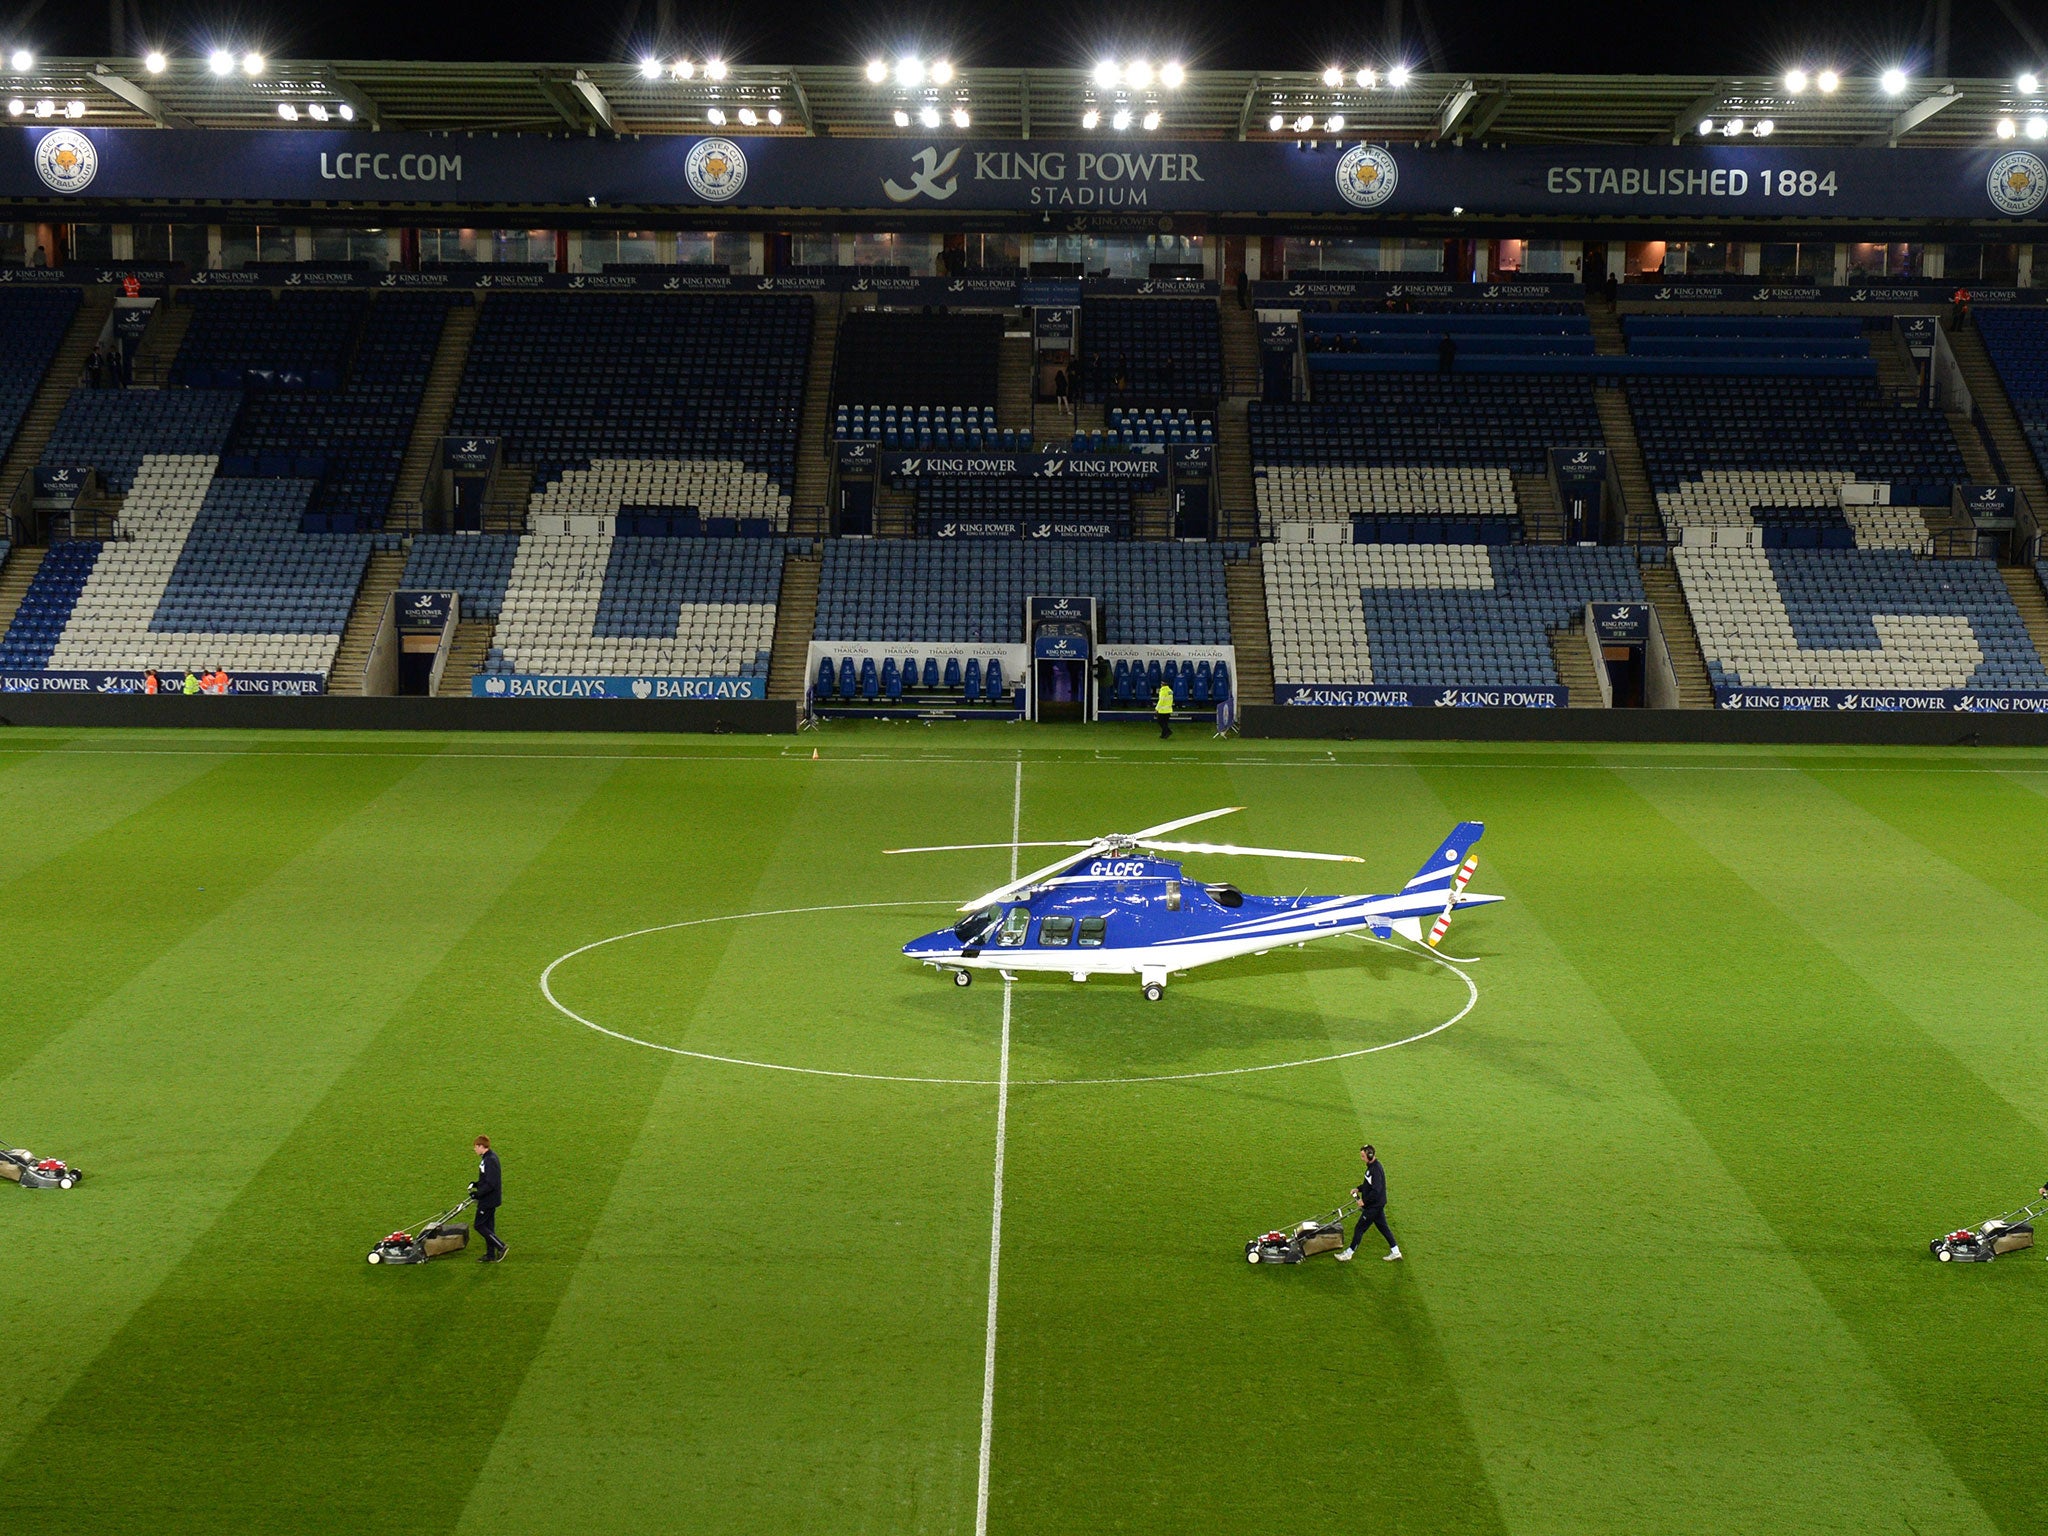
444,1234
1994,1236
23,1167
1304,1240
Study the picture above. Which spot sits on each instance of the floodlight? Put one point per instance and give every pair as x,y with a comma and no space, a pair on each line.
252,63
348,113
941,71
1106,75
1765,128
960,118
902,118
1138,74
1398,76
21,60
1275,123
155,62
716,117
287,111
1090,118
929,116
715,68
1706,126
1150,121
683,69
16,106
2028,83
1734,127
2007,127
650,68
1367,78
1335,122
1172,76
1827,80
46,109
221,62
317,112
1892,80
2037,128
74,109
878,71
775,117
910,70
1795,80
1333,77
1303,123
747,117
1121,120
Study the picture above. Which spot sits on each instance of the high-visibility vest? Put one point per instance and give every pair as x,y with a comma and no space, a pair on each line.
191,684
1165,704
149,682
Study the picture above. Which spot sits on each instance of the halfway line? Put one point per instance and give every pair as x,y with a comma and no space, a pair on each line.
995,1231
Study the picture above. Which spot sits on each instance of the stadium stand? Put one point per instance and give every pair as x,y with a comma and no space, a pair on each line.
1135,428
611,606
564,379
295,339
1877,619
944,505
32,324
2016,340
715,496
113,429
917,359
957,591
478,566
1444,615
1168,351
213,572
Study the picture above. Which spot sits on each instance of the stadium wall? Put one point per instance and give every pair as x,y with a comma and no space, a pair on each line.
765,717
1678,726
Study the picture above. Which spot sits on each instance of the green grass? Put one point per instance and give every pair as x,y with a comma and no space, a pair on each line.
1751,1027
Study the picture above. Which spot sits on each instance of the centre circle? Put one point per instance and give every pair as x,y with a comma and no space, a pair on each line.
823,991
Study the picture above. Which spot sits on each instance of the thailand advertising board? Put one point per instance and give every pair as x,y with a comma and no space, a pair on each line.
500,685
343,166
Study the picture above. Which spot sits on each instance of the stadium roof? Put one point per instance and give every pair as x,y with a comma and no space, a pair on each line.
1010,103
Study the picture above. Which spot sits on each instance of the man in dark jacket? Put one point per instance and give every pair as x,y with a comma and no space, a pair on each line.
1372,1206
489,1193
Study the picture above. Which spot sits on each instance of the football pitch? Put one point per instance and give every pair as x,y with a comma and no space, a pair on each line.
1665,1147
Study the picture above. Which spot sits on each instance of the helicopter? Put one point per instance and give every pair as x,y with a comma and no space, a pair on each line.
1112,909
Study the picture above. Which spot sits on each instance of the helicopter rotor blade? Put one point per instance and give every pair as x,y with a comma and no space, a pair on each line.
1263,853
968,847
1025,882
1185,821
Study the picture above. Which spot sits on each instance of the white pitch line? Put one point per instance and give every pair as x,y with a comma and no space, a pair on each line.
995,1231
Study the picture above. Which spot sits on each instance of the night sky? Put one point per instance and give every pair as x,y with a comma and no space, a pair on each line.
1591,36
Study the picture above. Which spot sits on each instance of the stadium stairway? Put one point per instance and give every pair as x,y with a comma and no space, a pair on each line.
1689,665
1238,329
1537,502
1237,497
1014,391
2021,468
437,401
1575,667
1244,583
511,492
161,338
1896,374
1605,317
465,654
808,511
15,575
1625,453
94,515
796,615
65,369
2027,596
380,580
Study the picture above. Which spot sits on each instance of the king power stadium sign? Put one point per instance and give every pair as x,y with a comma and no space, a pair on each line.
344,166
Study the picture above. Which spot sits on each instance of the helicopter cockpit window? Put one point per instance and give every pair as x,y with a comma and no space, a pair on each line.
1016,922
1225,895
1173,895
1091,932
1055,932
974,927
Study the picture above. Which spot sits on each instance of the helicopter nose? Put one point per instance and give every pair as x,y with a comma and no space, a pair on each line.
929,944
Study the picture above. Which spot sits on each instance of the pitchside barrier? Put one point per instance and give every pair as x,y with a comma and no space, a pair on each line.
529,685
264,684
1396,696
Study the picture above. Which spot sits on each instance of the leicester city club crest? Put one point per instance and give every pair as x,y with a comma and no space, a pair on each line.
716,170
66,160
1366,176
2018,183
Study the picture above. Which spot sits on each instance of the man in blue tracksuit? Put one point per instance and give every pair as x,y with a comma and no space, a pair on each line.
1372,1205
489,1193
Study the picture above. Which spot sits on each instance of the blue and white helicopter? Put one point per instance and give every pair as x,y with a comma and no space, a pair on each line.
1108,909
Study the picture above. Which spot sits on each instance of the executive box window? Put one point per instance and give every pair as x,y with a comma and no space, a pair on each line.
1998,264
1056,932
1016,923
169,242
1091,932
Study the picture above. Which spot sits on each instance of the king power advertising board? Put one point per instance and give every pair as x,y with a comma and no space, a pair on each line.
1025,176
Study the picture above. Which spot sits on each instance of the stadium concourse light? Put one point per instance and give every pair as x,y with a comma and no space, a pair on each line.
1090,118
2028,83
1172,75
1892,81
221,62
1398,76
878,71
155,62
2007,127
961,119
21,60
1150,121
1827,80
1795,80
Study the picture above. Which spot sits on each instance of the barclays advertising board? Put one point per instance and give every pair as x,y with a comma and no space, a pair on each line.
1906,701
500,685
887,174
1394,696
